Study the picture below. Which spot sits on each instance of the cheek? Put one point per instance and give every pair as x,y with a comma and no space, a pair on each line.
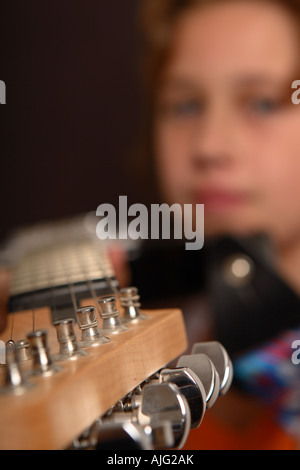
280,162
283,188
278,174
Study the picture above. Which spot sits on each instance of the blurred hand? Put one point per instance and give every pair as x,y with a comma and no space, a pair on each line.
118,258
4,286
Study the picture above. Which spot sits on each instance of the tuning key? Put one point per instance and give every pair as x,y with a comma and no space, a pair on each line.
130,301
14,379
190,386
162,403
221,360
110,316
88,323
23,350
161,411
68,346
42,360
126,435
162,435
206,371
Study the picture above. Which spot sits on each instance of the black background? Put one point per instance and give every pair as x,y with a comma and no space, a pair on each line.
70,127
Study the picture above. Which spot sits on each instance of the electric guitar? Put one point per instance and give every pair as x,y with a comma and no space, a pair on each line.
83,365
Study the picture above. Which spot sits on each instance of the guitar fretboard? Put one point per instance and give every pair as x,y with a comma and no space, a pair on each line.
64,264
58,264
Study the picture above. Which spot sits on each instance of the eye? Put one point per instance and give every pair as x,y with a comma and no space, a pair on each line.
188,108
264,106
183,108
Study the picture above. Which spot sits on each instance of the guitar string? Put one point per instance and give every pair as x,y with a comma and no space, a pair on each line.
13,314
70,285
33,310
52,283
12,327
32,275
71,288
32,296
88,282
107,278
43,268
52,288
33,300
67,235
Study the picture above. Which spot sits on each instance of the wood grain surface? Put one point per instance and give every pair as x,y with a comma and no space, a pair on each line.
59,408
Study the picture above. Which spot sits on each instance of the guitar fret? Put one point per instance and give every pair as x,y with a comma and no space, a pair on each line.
61,265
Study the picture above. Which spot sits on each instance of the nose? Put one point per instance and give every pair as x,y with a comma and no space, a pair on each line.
214,142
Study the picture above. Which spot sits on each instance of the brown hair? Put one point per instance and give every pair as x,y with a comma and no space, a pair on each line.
157,19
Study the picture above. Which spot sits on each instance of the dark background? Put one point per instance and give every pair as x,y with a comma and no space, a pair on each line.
70,129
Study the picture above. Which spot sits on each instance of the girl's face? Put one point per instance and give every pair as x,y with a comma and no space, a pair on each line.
226,132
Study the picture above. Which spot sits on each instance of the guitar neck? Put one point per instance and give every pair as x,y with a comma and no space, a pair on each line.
56,273
61,276
85,365
58,265
59,408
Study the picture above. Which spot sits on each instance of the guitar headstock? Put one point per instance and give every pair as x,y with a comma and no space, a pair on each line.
49,412
86,366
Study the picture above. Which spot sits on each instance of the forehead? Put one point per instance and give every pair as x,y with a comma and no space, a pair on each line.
234,37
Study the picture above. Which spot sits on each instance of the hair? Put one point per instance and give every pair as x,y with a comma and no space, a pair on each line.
157,19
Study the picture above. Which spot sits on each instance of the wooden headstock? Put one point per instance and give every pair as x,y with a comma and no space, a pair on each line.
83,357
58,408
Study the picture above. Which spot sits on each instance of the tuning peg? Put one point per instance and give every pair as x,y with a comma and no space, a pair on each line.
130,301
88,323
189,386
162,403
14,381
157,418
162,435
126,435
23,350
68,346
110,316
206,372
161,411
221,360
42,360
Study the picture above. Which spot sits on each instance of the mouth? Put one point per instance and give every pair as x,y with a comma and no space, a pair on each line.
220,201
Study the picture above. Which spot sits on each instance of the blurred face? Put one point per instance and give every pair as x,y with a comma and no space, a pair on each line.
226,132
